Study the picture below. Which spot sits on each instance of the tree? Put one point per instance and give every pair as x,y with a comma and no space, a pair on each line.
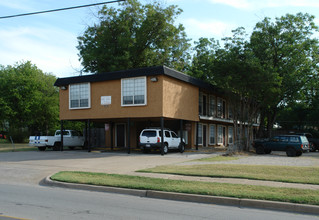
286,49
133,36
29,101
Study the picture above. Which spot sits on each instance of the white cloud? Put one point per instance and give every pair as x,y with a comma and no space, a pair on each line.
257,4
23,5
51,49
210,29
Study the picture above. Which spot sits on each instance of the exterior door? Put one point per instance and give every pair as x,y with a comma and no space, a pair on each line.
204,135
120,135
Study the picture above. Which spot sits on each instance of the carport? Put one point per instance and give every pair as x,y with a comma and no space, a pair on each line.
124,133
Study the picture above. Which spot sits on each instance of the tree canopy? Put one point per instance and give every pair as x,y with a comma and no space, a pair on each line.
132,36
276,65
29,101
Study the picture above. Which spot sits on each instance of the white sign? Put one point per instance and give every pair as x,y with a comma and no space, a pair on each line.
106,100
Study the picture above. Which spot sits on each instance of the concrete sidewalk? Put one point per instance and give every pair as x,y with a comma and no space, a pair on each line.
228,180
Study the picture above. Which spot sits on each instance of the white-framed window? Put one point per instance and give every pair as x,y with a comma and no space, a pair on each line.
230,112
80,96
200,104
133,91
221,107
212,105
230,135
212,134
220,134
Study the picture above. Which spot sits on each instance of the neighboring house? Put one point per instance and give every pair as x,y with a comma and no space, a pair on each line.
126,102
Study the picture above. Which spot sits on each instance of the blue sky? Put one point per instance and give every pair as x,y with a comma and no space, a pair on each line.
49,40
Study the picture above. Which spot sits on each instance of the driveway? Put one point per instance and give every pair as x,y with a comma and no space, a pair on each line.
31,167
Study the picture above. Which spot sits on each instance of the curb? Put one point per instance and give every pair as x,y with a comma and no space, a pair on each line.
216,200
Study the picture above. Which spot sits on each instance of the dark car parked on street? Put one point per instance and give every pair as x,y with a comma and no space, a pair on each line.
294,145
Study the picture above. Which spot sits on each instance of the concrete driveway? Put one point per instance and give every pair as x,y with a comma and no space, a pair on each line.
31,167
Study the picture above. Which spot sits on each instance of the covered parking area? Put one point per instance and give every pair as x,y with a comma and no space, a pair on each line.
122,134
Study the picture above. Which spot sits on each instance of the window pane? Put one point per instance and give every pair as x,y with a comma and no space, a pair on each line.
133,91
212,134
127,100
79,95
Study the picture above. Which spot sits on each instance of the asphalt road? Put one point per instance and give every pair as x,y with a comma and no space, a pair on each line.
38,202
21,196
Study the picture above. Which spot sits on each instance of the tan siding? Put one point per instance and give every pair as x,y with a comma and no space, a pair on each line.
180,100
115,110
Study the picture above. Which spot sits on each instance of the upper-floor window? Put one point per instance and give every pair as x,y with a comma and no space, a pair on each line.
202,104
80,96
221,108
212,105
134,91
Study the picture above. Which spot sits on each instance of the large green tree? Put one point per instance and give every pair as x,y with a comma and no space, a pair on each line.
132,36
29,101
286,48
276,65
234,68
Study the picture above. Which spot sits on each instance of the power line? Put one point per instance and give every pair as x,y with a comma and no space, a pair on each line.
60,9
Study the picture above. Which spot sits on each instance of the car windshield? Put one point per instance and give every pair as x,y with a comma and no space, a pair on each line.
149,133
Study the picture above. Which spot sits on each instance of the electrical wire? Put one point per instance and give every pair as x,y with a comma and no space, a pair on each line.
60,9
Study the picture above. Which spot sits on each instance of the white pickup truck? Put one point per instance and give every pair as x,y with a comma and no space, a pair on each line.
71,139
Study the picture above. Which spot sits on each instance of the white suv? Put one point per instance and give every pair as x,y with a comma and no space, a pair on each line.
150,138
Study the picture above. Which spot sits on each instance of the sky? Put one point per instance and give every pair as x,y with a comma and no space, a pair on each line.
49,40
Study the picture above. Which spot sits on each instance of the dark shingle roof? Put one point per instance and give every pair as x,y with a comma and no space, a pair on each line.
147,71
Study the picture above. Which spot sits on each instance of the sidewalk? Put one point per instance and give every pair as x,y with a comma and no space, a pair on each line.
228,180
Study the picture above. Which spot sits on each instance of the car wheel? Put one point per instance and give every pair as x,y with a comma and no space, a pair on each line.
298,153
165,149
267,151
291,152
41,148
260,150
181,147
56,146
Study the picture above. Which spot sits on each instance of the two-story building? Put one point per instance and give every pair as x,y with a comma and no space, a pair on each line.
126,102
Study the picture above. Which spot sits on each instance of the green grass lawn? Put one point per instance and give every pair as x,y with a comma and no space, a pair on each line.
192,187
6,146
308,175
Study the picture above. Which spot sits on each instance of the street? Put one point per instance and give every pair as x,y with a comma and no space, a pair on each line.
38,202
21,196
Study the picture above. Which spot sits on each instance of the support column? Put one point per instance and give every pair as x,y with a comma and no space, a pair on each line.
61,145
181,132
86,135
89,136
128,136
197,126
162,136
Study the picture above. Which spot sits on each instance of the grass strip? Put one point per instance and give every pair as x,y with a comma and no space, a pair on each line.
216,159
306,175
191,187
8,147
